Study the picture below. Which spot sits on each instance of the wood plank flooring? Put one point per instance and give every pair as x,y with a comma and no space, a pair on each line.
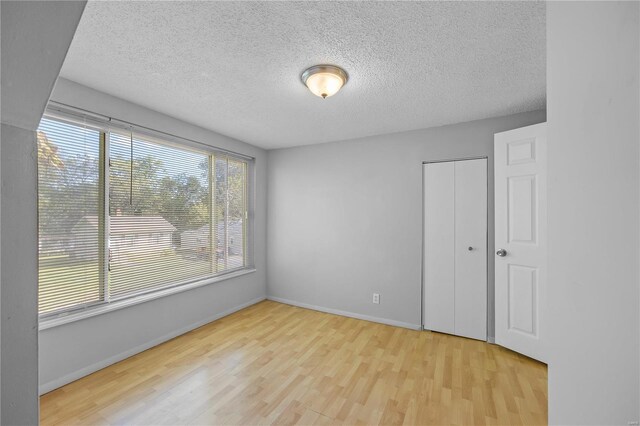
277,364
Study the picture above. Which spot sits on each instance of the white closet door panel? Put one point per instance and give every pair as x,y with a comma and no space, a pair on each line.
439,230
471,248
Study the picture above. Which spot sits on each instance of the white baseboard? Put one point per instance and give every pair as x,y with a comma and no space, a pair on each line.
347,313
85,371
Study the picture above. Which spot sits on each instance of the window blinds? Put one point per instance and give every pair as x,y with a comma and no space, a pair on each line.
230,213
172,215
151,216
68,194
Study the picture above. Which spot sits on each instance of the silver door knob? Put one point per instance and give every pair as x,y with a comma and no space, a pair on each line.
501,252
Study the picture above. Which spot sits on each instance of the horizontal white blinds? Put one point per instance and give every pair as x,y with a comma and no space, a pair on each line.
172,215
68,193
230,213
169,195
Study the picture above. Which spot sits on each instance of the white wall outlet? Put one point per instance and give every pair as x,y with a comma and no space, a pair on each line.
376,298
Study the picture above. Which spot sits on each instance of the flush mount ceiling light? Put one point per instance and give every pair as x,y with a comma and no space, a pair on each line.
324,80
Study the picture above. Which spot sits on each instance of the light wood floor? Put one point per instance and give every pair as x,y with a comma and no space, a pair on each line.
274,363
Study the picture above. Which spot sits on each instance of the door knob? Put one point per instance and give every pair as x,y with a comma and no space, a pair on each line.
501,252
470,248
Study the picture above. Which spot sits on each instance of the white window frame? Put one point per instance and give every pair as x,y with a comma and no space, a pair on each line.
106,125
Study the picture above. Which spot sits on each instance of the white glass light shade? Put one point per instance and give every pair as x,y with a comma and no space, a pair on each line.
324,80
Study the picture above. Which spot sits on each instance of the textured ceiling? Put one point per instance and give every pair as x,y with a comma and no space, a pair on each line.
234,67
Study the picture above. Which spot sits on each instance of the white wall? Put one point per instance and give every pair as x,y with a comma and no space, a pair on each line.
19,277
593,133
70,351
35,38
345,218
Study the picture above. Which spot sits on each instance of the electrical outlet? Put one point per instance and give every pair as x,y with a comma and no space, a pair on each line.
376,298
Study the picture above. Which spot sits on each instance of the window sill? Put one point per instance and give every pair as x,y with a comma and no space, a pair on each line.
93,311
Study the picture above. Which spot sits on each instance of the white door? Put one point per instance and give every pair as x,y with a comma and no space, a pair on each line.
455,247
520,172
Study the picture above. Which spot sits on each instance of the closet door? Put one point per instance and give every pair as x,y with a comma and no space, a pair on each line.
471,248
455,247
439,267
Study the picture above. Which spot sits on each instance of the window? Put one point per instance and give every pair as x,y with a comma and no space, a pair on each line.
122,214
68,192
